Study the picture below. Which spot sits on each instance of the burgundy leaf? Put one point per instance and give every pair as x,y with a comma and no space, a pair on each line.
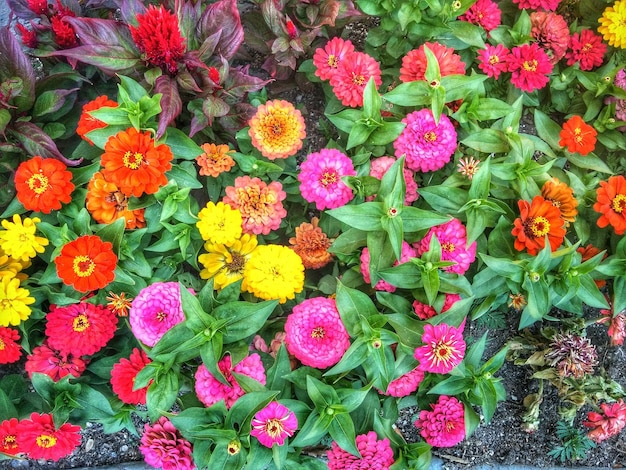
223,16
109,59
51,101
97,31
171,104
37,142
206,50
240,82
187,82
214,107
198,121
14,63
129,9
188,14
21,9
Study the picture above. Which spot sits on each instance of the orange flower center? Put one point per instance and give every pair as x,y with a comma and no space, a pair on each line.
38,183
83,266
539,226
133,160
494,59
328,178
619,203
587,47
332,61
274,427
430,136
530,65
2,344
318,332
447,246
46,441
80,323
358,79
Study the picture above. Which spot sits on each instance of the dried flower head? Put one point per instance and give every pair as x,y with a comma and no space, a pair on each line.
572,355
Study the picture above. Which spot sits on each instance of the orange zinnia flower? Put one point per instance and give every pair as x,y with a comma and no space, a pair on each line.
134,163
311,244
538,219
277,129
561,196
88,123
215,160
106,203
611,203
87,263
42,184
578,136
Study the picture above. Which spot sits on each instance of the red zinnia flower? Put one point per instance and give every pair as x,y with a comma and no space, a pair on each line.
123,377
485,13
41,439
10,349
608,423
8,437
529,66
538,219
611,204
587,49
351,77
327,59
578,136
53,363
42,184
444,426
375,454
86,122
551,32
414,63
87,263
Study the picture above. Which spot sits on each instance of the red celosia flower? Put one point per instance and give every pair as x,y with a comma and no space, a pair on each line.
375,454
352,75
86,122
42,184
443,349
551,32
123,377
157,36
414,63
41,439
63,32
10,349
548,5
587,49
538,219
29,36
444,426
164,447
608,423
327,59
292,31
87,263
529,66
53,363
39,7
578,136
8,437
485,13
493,60
611,204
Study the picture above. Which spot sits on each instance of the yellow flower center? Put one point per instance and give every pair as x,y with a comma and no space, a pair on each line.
539,226
38,183
9,441
274,427
234,447
430,136
46,441
442,351
328,178
132,160
83,266
494,59
530,65
2,344
318,333
80,323
587,47
332,61
619,203
447,246
161,316
358,79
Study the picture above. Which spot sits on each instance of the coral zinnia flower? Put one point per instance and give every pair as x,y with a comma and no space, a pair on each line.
548,5
311,244
164,447
157,36
529,66
54,364
613,24
452,237
320,178
41,439
18,238
315,333
274,272
414,63
10,349
219,223
277,129
578,136
215,160
352,75
42,184
551,32
562,196
260,203
493,60
327,59
538,219
88,123
485,13
611,204
608,423
80,329
378,168
587,49
123,376
14,302
407,252
8,437
443,349
375,454
273,424
86,263
425,311
225,264
444,425
132,162
106,203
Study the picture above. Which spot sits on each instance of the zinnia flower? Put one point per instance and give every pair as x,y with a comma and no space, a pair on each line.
561,196
225,264
157,36
406,384
538,219
277,129
10,349
119,303
428,146
572,355
260,203
42,184
493,60
273,424
14,301
443,349
414,63
375,454
578,136
8,437
452,237
86,263
380,165
529,66
320,178
311,244
18,238
106,203
613,24
41,439
608,423
88,123
315,333
54,364
164,447
425,311
407,252
352,75
328,58
219,223
156,309
587,49
274,272
611,204
485,13
551,32
210,390
80,329
215,160
468,167
133,163
444,425
548,5
123,376
617,325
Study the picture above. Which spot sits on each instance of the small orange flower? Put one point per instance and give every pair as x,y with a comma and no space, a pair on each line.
311,244
518,301
561,196
578,136
119,303
42,184
88,123
215,160
132,162
87,263
277,129
611,203
106,203
538,219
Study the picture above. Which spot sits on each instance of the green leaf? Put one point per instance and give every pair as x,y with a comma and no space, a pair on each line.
487,141
353,305
409,330
416,93
356,354
588,162
342,431
364,216
469,33
359,134
345,119
444,199
243,319
181,145
451,386
547,129
415,219
162,394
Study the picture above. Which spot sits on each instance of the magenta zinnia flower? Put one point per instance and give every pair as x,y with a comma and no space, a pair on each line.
405,384
453,240
155,310
485,13
587,49
378,168
53,363
428,146
328,58
375,454
164,447
529,66
351,77
274,424
407,253
493,60
39,438
320,179
315,333
443,350
425,311
123,376
444,426
10,349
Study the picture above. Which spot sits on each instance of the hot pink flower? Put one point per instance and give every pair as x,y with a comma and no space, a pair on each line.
164,447
425,311
155,310
320,179
444,426
8,437
41,439
10,349
273,424
53,363
315,333
328,58
380,165
548,5
608,423
587,49
551,32
375,454
529,66
406,254
123,376
485,13
210,390
493,60
414,63
453,240
428,146
443,350
351,77
405,384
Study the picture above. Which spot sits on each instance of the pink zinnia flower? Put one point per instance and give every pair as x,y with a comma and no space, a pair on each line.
493,60
425,311
164,447
414,63
315,333
39,438
444,426
453,240
260,204
443,350
375,454
428,146
352,75
608,423
210,390
529,66
328,58
378,168
485,13
273,424
53,363
155,310
587,49
123,376
10,349
8,437
320,179
551,32
405,384
406,254
548,5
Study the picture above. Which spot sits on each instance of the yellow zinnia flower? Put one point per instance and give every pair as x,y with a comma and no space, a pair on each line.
219,223
274,272
14,301
225,264
18,238
613,24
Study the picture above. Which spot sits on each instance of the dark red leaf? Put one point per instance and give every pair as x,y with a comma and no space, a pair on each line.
223,16
171,104
37,142
14,63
